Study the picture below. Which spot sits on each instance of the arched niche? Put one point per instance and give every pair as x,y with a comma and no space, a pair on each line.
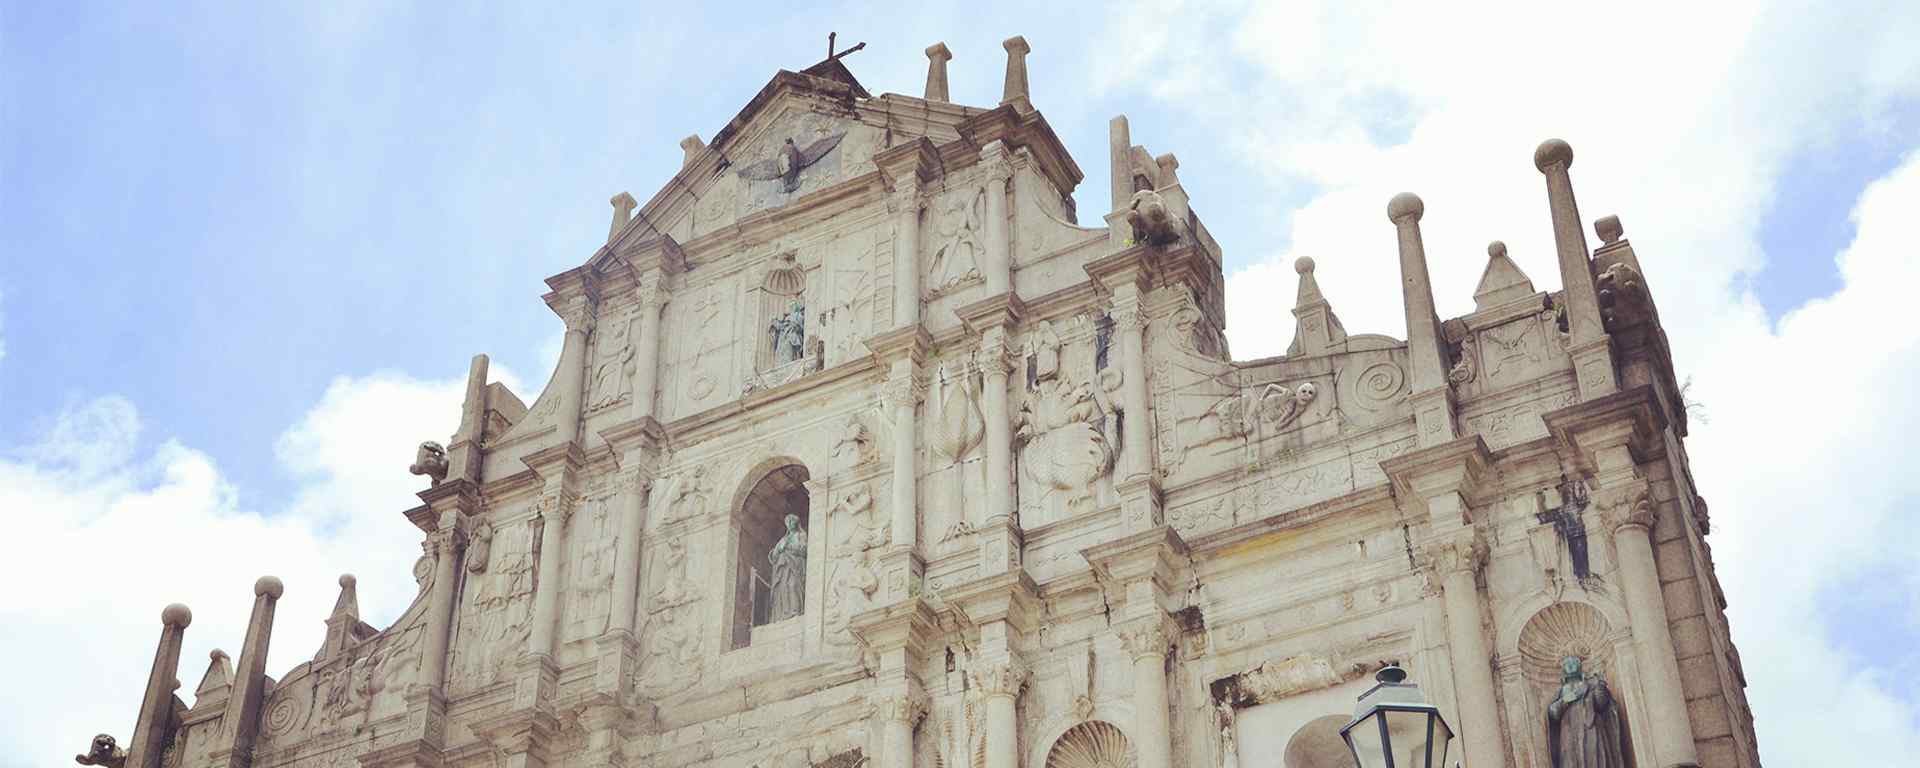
1092,744
1317,745
1554,631
777,490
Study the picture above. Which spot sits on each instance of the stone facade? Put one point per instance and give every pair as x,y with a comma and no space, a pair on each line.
1032,512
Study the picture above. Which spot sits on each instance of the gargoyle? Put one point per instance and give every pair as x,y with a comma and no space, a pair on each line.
430,460
1151,222
103,751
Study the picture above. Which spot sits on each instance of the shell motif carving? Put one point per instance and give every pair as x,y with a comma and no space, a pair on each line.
1092,744
960,426
1561,630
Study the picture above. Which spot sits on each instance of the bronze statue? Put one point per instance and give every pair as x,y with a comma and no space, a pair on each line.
1583,721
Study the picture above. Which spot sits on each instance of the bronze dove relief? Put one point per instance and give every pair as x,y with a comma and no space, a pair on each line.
787,162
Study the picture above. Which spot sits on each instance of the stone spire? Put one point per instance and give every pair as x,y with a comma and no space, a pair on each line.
1316,331
156,707
1427,382
216,683
344,627
1502,281
1015,90
1120,160
1587,339
937,58
249,690
623,205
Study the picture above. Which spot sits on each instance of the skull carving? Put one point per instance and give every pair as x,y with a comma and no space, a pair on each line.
1305,393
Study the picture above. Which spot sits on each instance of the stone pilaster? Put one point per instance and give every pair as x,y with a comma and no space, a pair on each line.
1440,483
577,313
1147,641
998,682
650,296
1610,436
906,350
1139,574
997,162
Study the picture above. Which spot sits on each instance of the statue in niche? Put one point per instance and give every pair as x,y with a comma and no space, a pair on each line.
789,334
1583,722
789,560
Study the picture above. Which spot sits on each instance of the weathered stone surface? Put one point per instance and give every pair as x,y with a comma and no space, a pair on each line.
1028,509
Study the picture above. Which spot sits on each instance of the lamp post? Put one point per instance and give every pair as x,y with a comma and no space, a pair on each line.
1393,726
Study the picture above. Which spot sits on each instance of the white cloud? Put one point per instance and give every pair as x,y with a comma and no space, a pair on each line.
1682,117
105,539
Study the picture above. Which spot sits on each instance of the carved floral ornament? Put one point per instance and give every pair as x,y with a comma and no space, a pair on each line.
1146,638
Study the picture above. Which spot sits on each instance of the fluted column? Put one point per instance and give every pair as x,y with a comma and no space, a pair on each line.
572,374
626,550
898,712
445,546
999,683
998,164
1427,381
1627,511
1146,642
651,298
997,364
1587,337
156,706
1130,325
905,204
1453,562
903,394
555,508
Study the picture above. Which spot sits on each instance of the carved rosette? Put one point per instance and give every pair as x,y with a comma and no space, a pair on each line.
1146,639
1625,506
901,707
998,678
1461,552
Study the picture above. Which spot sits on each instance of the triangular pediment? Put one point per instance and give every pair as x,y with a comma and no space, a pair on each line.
801,133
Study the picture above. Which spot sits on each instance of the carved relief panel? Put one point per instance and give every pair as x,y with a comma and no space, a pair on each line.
703,332
1066,425
496,604
593,534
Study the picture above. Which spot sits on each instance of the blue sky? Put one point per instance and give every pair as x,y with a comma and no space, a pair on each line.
232,223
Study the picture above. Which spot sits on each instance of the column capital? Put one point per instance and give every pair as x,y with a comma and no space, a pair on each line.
998,677
996,161
906,196
1145,638
904,391
907,706
577,313
1129,314
650,290
556,506
1463,551
445,542
1625,506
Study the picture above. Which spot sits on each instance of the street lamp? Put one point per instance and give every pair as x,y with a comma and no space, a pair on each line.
1394,727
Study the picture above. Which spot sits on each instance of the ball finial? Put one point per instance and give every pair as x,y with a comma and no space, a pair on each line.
1405,205
1303,265
347,580
269,586
1496,249
176,615
1553,152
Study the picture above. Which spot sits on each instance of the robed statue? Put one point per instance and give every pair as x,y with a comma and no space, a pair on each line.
1583,721
789,585
789,333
